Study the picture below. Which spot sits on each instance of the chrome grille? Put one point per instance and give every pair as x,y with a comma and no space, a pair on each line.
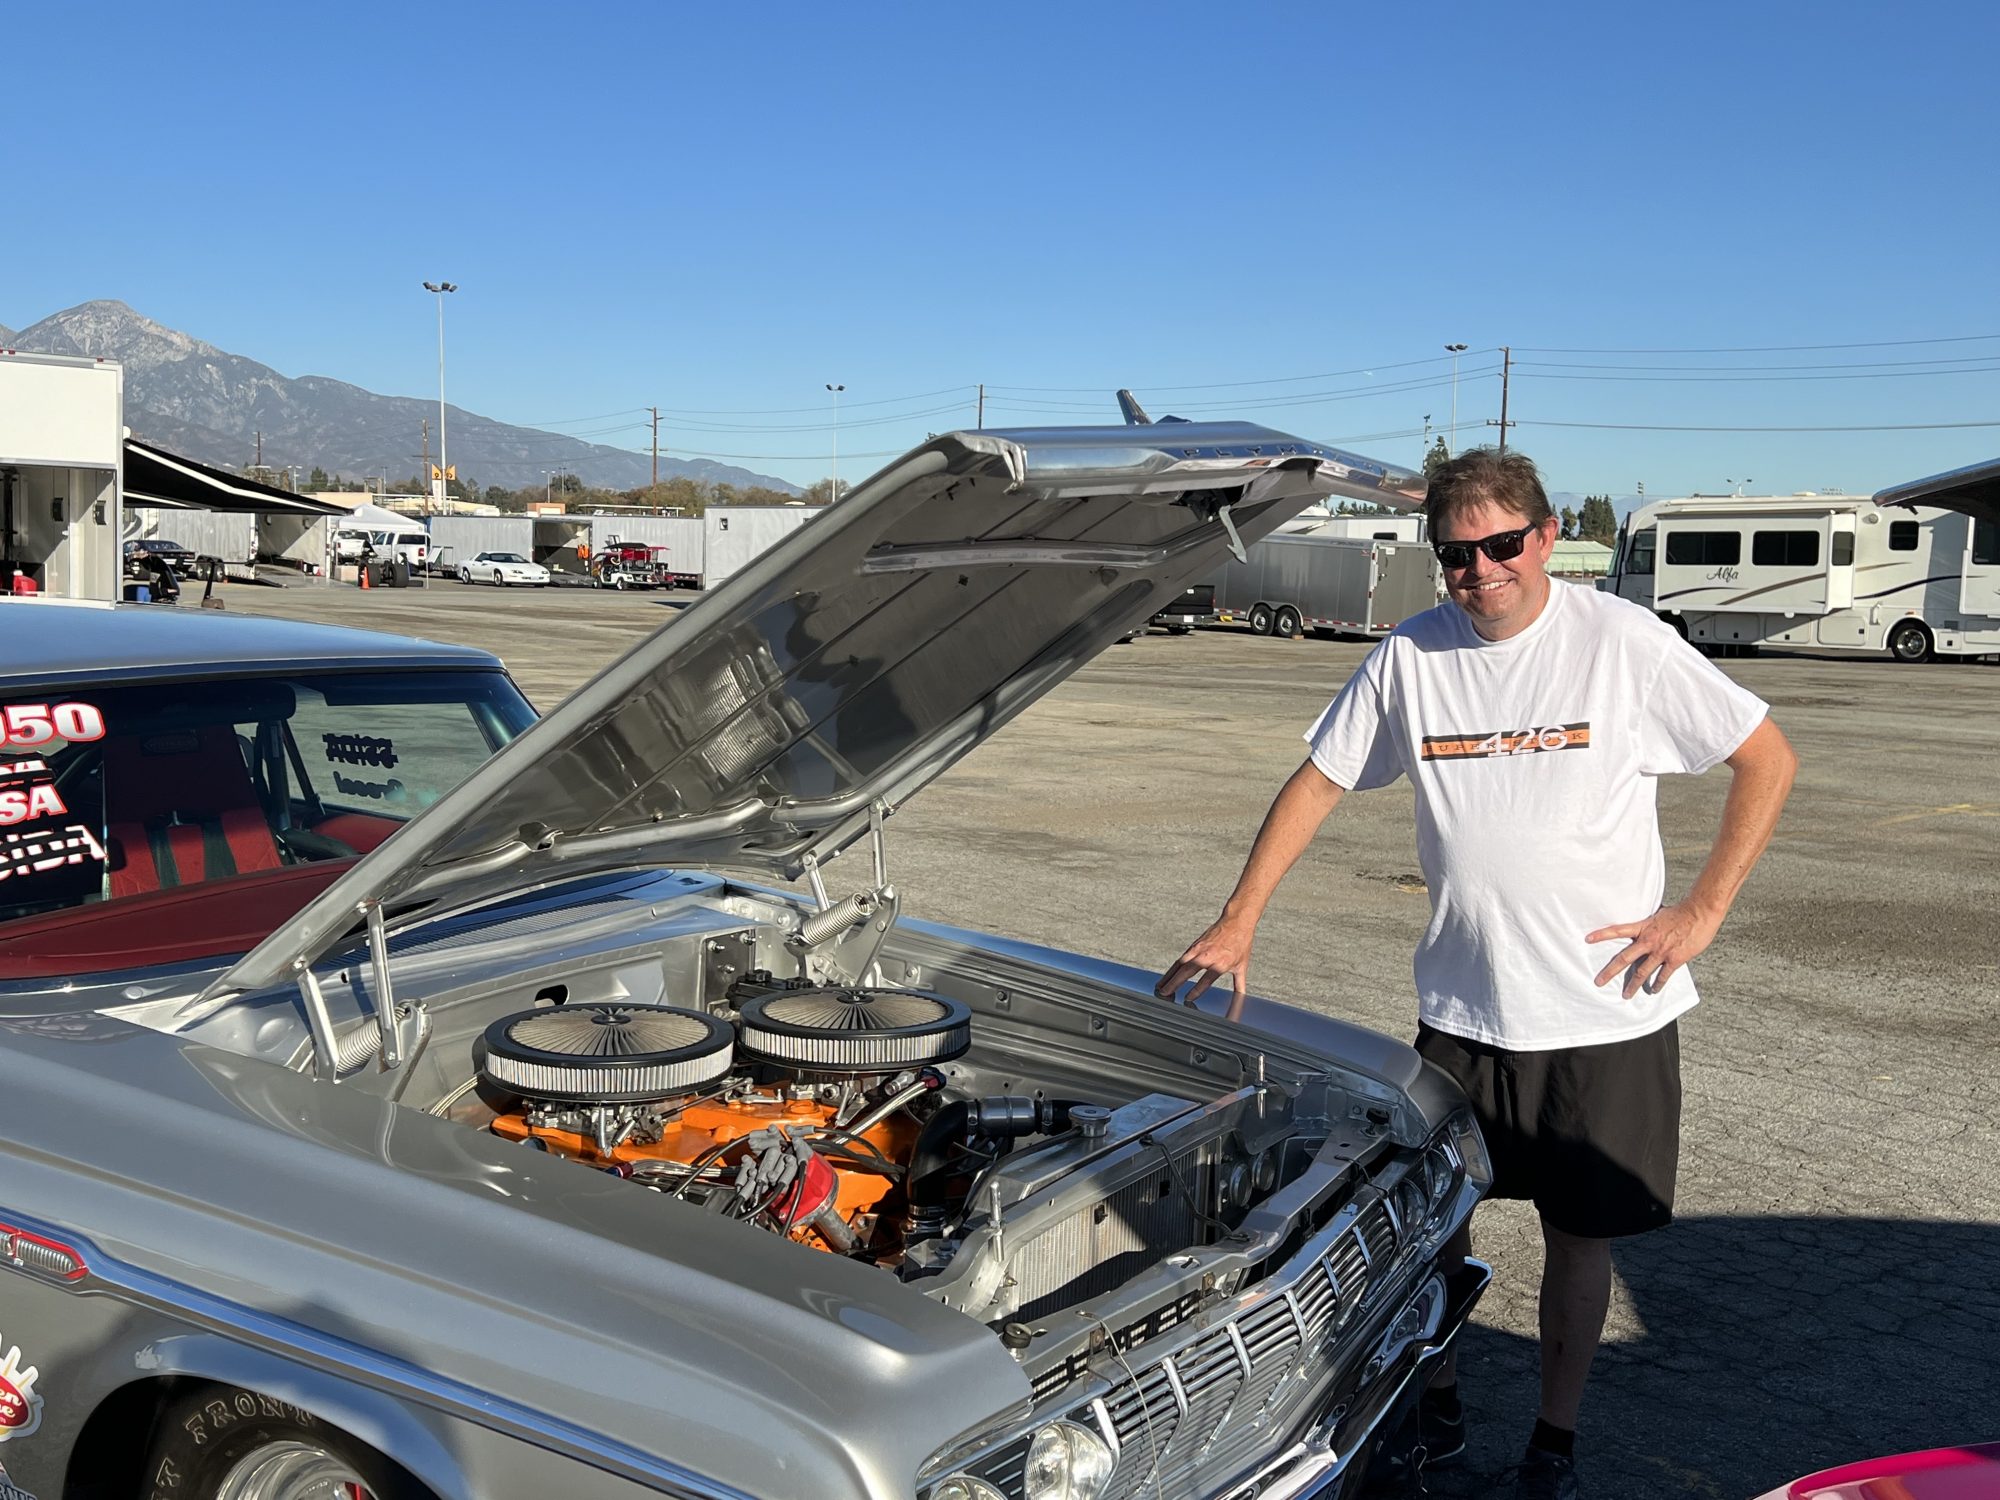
1210,1409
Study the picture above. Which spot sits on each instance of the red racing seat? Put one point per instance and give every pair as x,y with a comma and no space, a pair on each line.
180,809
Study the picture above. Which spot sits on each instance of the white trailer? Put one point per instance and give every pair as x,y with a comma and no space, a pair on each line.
734,535
1344,585
62,464
1830,572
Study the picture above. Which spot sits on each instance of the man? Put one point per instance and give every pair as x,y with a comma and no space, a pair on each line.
1533,718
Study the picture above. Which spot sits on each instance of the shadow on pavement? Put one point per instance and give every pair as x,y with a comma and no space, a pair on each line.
1770,1348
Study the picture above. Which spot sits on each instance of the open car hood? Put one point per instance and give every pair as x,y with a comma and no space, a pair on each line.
851,663
1974,490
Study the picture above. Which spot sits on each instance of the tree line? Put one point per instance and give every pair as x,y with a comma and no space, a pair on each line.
684,494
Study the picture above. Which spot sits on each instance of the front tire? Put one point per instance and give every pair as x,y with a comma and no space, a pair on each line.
1910,641
499,579
1260,619
222,1443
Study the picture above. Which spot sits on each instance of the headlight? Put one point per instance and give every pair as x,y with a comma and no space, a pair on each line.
965,1487
1066,1462
1471,1148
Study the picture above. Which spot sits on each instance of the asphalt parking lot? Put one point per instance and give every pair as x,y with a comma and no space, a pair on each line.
1830,1291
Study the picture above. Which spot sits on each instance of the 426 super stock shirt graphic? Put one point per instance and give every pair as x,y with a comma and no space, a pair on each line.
1478,745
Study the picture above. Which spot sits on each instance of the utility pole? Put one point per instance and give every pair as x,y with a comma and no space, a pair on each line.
981,420
656,442
426,469
260,447
1506,370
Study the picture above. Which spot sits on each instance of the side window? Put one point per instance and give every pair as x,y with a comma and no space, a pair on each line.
1986,542
1704,549
1785,549
1640,559
1902,536
1843,549
394,759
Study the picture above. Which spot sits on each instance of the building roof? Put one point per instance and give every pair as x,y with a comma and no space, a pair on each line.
1579,556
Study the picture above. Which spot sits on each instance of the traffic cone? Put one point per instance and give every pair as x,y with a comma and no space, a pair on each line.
364,575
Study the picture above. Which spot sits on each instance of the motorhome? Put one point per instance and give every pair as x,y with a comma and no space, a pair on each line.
1833,572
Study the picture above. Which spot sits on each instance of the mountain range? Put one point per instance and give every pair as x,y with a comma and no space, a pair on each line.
195,399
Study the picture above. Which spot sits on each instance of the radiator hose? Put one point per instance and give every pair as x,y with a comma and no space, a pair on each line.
1000,1118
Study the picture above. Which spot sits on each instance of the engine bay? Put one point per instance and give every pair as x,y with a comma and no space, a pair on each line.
847,1119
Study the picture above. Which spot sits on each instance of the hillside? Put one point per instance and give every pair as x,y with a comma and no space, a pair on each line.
196,399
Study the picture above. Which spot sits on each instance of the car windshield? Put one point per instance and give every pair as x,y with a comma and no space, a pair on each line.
121,792
512,557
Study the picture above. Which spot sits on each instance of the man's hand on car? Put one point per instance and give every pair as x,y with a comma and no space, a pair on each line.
1223,949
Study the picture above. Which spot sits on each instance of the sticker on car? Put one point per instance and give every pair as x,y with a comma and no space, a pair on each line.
20,1406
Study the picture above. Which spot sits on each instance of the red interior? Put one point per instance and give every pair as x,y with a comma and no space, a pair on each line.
166,926
184,789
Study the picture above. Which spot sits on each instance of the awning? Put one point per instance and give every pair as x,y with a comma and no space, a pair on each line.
154,476
1974,490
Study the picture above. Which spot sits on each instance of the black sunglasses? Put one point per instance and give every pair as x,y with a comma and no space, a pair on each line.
1502,546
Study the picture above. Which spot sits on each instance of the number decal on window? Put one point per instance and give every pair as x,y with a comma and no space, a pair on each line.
29,725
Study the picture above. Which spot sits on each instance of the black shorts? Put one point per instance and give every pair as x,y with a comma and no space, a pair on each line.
1590,1134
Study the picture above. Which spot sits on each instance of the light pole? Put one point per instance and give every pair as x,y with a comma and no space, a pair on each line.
836,389
1454,350
444,463
548,485
1739,483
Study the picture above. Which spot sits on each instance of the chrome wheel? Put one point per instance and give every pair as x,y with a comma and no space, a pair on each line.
1260,619
1909,641
290,1470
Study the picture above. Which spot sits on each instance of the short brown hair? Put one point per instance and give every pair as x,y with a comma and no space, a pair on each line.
1486,475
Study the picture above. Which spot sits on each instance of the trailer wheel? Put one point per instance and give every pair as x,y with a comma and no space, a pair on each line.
1260,619
1909,640
1287,623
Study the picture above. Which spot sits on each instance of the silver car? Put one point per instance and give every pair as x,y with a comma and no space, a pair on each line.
606,1127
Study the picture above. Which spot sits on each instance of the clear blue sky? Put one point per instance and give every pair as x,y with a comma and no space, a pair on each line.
720,209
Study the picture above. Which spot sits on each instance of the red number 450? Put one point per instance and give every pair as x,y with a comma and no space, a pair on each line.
27,725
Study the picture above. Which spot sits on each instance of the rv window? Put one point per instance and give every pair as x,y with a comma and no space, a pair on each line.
1639,560
1785,549
1986,542
1902,536
1843,549
1704,549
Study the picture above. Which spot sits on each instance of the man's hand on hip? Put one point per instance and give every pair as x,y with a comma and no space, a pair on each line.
1223,949
1656,947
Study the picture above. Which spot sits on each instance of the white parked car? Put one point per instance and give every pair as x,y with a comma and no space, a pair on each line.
503,568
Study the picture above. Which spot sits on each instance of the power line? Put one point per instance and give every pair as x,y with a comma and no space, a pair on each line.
1226,385
1740,379
1652,427
780,411
1880,364
1968,338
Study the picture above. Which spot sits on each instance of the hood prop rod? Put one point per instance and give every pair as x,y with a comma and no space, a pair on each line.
874,909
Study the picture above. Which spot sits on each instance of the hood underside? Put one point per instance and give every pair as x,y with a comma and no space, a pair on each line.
850,664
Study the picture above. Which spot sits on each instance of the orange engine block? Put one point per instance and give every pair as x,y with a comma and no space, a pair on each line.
703,1126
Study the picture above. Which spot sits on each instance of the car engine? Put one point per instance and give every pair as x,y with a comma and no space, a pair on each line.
816,1112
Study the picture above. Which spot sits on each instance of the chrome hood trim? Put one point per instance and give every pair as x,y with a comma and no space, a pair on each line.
847,666
1974,490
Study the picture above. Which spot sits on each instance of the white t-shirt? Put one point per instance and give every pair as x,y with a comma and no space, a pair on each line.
1535,762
